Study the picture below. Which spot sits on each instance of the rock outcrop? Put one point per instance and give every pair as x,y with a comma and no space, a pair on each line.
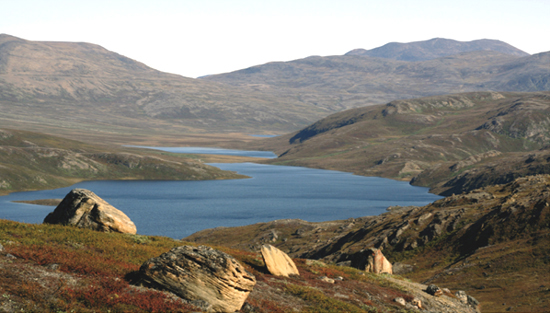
200,274
277,262
85,209
372,260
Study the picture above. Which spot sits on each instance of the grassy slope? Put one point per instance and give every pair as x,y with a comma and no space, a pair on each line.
435,138
494,242
59,268
30,161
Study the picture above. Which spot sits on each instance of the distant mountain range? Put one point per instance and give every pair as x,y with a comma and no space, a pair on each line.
436,48
388,73
82,87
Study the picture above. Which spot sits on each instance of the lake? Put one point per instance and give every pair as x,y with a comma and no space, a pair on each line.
177,209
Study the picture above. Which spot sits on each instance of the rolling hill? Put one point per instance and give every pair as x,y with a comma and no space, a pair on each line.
452,144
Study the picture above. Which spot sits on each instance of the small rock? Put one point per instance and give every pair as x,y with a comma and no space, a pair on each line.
434,290
400,301
340,278
277,262
417,303
53,266
10,256
462,296
1,248
327,280
446,290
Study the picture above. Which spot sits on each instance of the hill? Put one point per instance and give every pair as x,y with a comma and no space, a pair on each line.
30,161
452,143
436,48
84,87
348,81
494,242
58,268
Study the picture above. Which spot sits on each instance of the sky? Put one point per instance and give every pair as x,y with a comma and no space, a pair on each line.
203,37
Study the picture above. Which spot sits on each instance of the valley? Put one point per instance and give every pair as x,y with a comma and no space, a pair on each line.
469,120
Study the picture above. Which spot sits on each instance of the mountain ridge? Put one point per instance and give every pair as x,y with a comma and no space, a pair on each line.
435,48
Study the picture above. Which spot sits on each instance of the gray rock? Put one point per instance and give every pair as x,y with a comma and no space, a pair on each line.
200,274
400,301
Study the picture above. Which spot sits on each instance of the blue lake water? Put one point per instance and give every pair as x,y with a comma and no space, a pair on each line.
217,151
177,209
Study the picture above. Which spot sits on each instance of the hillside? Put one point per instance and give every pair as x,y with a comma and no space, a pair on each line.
68,269
452,143
440,66
436,48
84,87
494,242
31,161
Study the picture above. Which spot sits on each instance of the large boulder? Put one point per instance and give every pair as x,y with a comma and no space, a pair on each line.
372,260
200,274
85,209
277,262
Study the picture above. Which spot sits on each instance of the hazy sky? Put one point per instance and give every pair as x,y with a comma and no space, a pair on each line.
200,37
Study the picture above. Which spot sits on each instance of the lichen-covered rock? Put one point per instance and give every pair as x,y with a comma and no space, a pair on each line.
85,209
277,262
200,273
434,290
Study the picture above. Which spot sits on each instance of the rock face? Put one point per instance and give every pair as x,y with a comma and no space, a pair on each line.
372,260
200,274
277,262
83,208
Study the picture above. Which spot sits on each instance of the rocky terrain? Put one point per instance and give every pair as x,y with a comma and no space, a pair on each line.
494,242
452,143
60,268
434,67
31,161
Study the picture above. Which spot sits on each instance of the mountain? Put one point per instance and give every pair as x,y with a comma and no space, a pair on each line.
494,242
30,161
84,87
436,48
452,143
335,83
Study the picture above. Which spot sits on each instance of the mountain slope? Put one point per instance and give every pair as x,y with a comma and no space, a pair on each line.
84,86
349,81
444,142
436,48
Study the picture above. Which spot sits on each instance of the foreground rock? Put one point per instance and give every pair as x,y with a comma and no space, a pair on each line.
200,274
85,209
277,262
372,260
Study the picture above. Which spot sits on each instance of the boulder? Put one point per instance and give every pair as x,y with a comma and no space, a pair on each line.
83,208
200,274
277,262
372,260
